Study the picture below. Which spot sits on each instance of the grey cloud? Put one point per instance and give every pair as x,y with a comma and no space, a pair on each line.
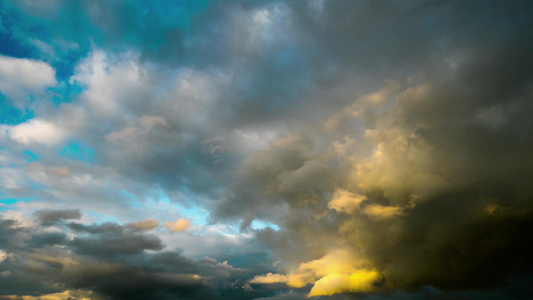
52,238
107,227
172,260
121,282
113,265
49,217
464,218
441,162
289,171
179,163
113,245
8,228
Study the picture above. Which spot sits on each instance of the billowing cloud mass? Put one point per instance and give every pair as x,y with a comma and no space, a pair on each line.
322,149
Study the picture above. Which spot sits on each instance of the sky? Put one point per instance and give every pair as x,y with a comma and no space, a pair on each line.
276,150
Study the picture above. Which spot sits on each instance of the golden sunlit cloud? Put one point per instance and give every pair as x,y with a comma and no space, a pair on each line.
269,278
55,296
179,226
344,201
382,212
336,272
360,282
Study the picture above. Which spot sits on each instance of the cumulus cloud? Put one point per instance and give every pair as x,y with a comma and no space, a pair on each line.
393,191
20,78
36,131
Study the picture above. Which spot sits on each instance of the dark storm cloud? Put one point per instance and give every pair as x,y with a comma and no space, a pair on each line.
49,217
436,166
445,202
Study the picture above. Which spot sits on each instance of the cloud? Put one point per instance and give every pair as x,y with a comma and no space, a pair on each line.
48,217
358,282
132,134
53,296
269,278
178,226
336,272
104,278
113,245
21,77
106,227
379,211
93,262
145,224
52,238
39,131
344,201
391,192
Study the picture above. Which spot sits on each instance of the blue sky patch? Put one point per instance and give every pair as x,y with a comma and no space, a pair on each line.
79,151
12,115
30,155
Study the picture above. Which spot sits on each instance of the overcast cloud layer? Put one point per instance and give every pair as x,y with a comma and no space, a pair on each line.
324,149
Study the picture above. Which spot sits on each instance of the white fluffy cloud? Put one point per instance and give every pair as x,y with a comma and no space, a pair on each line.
36,131
20,77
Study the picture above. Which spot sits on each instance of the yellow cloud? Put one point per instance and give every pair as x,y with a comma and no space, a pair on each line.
55,296
345,201
362,281
336,272
269,278
382,212
179,226
145,224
